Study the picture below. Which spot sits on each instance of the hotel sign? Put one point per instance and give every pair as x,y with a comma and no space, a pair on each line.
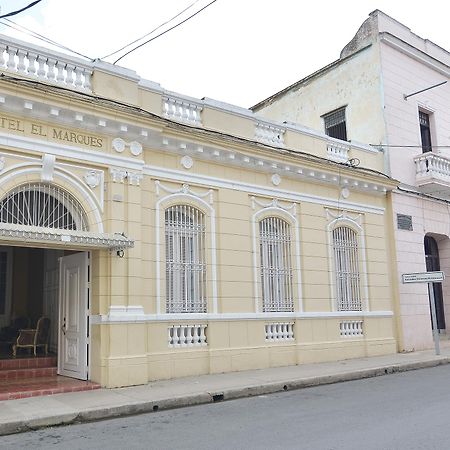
423,277
19,126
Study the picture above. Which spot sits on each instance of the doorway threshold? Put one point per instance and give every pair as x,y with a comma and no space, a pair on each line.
33,377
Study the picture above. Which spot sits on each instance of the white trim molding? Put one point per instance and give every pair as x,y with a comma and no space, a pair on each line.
186,194
135,314
290,213
344,218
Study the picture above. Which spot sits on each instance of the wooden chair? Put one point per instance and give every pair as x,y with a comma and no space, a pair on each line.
34,338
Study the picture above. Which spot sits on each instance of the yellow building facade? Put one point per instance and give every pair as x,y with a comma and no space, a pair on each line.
167,236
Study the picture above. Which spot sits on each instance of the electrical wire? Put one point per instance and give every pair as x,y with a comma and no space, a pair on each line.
406,146
13,13
151,32
164,32
34,34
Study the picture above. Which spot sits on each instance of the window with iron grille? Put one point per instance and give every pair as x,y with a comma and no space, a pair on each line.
425,133
346,268
335,124
42,205
276,270
185,260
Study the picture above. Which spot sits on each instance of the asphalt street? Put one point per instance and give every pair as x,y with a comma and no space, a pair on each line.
403,411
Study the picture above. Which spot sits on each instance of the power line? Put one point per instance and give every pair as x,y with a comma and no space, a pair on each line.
164,32
151,32
41,37
407,146
13,13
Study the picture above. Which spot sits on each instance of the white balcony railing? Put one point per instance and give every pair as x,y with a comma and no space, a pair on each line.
351,328
337,151
431,168
42,64
187,336
269,134
181,110
279,331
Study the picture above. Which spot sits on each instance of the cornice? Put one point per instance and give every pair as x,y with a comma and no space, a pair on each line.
414,53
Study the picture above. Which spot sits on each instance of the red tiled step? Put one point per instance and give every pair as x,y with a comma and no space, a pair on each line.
15,374
33,387
27,363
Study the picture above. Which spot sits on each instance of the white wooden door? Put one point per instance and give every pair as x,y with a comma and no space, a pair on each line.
73,316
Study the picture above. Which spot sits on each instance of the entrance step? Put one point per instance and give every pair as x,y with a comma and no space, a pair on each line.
34,387
20,374
27,363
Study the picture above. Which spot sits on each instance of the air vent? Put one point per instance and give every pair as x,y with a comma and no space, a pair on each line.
404,222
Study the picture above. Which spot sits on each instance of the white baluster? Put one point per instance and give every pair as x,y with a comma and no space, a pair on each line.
59,65
87,79
11,63
170,336
41,66
2,58
78,79
70,72
51,69
21,67
203,335
32,63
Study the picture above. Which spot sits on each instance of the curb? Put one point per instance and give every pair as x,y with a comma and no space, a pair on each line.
92,415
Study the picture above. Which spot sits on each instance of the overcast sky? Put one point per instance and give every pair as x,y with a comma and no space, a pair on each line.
237,51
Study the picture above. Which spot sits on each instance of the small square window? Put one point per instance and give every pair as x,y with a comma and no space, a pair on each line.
335,124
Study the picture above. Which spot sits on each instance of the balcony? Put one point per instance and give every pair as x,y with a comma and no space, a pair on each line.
433,174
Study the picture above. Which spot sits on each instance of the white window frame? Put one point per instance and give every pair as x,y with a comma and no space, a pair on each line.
186,196
276,272
355,226
185,256
268,210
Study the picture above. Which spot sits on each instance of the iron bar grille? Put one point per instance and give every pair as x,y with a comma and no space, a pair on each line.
276,270
42,205
346,266
185,260
335,124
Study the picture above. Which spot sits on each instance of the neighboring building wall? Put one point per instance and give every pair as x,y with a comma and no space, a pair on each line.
344,83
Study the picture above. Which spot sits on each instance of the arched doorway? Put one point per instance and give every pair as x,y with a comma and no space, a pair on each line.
433,264
45,277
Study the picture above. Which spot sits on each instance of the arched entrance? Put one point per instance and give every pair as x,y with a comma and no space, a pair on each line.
433,264
43,277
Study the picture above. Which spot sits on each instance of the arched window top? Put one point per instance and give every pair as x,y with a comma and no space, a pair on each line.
345,236
274,228
43,205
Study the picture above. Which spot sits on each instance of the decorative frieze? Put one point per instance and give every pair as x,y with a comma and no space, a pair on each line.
119,145
119,175
92,178
184,189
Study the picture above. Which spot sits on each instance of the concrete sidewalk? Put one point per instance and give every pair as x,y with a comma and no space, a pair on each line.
36,412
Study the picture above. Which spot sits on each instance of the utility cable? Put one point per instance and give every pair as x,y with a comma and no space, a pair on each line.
13,13
41,37
151,32
164,32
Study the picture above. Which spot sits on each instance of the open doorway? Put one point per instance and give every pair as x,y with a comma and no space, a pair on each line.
433,264
44,307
